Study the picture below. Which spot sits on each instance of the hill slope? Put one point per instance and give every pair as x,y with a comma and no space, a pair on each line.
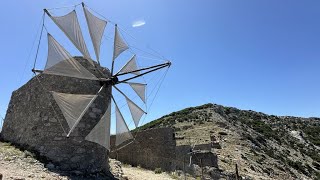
263,146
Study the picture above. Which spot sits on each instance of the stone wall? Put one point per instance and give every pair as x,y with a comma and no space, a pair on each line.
183,158
202,156
202,147
205,158
156,148
151,149
32,121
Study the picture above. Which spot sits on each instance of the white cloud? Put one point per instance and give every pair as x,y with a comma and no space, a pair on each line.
138,23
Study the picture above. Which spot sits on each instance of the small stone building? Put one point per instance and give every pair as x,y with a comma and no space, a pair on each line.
156,148
35,122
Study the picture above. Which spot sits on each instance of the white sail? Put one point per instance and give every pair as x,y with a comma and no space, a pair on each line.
131,65
119,44
69,24
140,89
60,62
136,111
96,28
100,134
72,105
122,131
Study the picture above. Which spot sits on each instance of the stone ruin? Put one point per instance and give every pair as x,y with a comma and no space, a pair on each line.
151,149
156,148
32,121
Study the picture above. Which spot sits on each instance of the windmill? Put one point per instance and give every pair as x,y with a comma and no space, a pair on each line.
61,63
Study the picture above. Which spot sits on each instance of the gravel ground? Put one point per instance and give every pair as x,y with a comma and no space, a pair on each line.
21,165
15,164
134,173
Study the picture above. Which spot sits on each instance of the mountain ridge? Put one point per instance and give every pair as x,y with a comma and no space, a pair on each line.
265,145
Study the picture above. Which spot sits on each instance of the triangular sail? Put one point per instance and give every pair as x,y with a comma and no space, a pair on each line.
140,89
60,62
119,44
69,24
131,65
100,134
72,105
136,111
122,131
96,28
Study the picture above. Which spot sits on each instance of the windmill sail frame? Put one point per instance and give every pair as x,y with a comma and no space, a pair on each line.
75,35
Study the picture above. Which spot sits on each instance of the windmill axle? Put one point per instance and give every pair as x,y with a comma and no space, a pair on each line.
110,81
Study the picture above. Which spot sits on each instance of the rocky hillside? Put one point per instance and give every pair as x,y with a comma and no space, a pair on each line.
264,146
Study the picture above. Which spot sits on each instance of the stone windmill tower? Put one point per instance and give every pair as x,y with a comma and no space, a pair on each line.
64,112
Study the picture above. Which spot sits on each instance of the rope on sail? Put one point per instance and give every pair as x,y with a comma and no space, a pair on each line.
157,88
63,7
35,59
154,77
155,55
106,19
131,47
148,110
40,29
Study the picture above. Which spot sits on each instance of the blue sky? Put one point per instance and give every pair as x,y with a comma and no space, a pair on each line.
259,55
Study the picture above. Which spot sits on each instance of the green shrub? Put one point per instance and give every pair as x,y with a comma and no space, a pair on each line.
316,165
158,171
298,166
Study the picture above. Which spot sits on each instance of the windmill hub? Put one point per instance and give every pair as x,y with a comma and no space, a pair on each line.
114,80
109,81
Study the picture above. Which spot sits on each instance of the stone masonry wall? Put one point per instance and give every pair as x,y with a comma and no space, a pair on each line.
151,149
202,156
32,121
156,148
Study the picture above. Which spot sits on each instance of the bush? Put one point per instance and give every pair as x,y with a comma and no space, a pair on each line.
158,171
223,133
316,165
298,166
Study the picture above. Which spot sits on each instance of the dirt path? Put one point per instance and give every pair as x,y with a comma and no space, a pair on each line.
134,173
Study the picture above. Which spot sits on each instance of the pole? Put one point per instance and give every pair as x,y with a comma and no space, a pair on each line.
114,45
201,168
35,60
36,71
184,167
142,69
84,111
237,173
117,156
125,80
